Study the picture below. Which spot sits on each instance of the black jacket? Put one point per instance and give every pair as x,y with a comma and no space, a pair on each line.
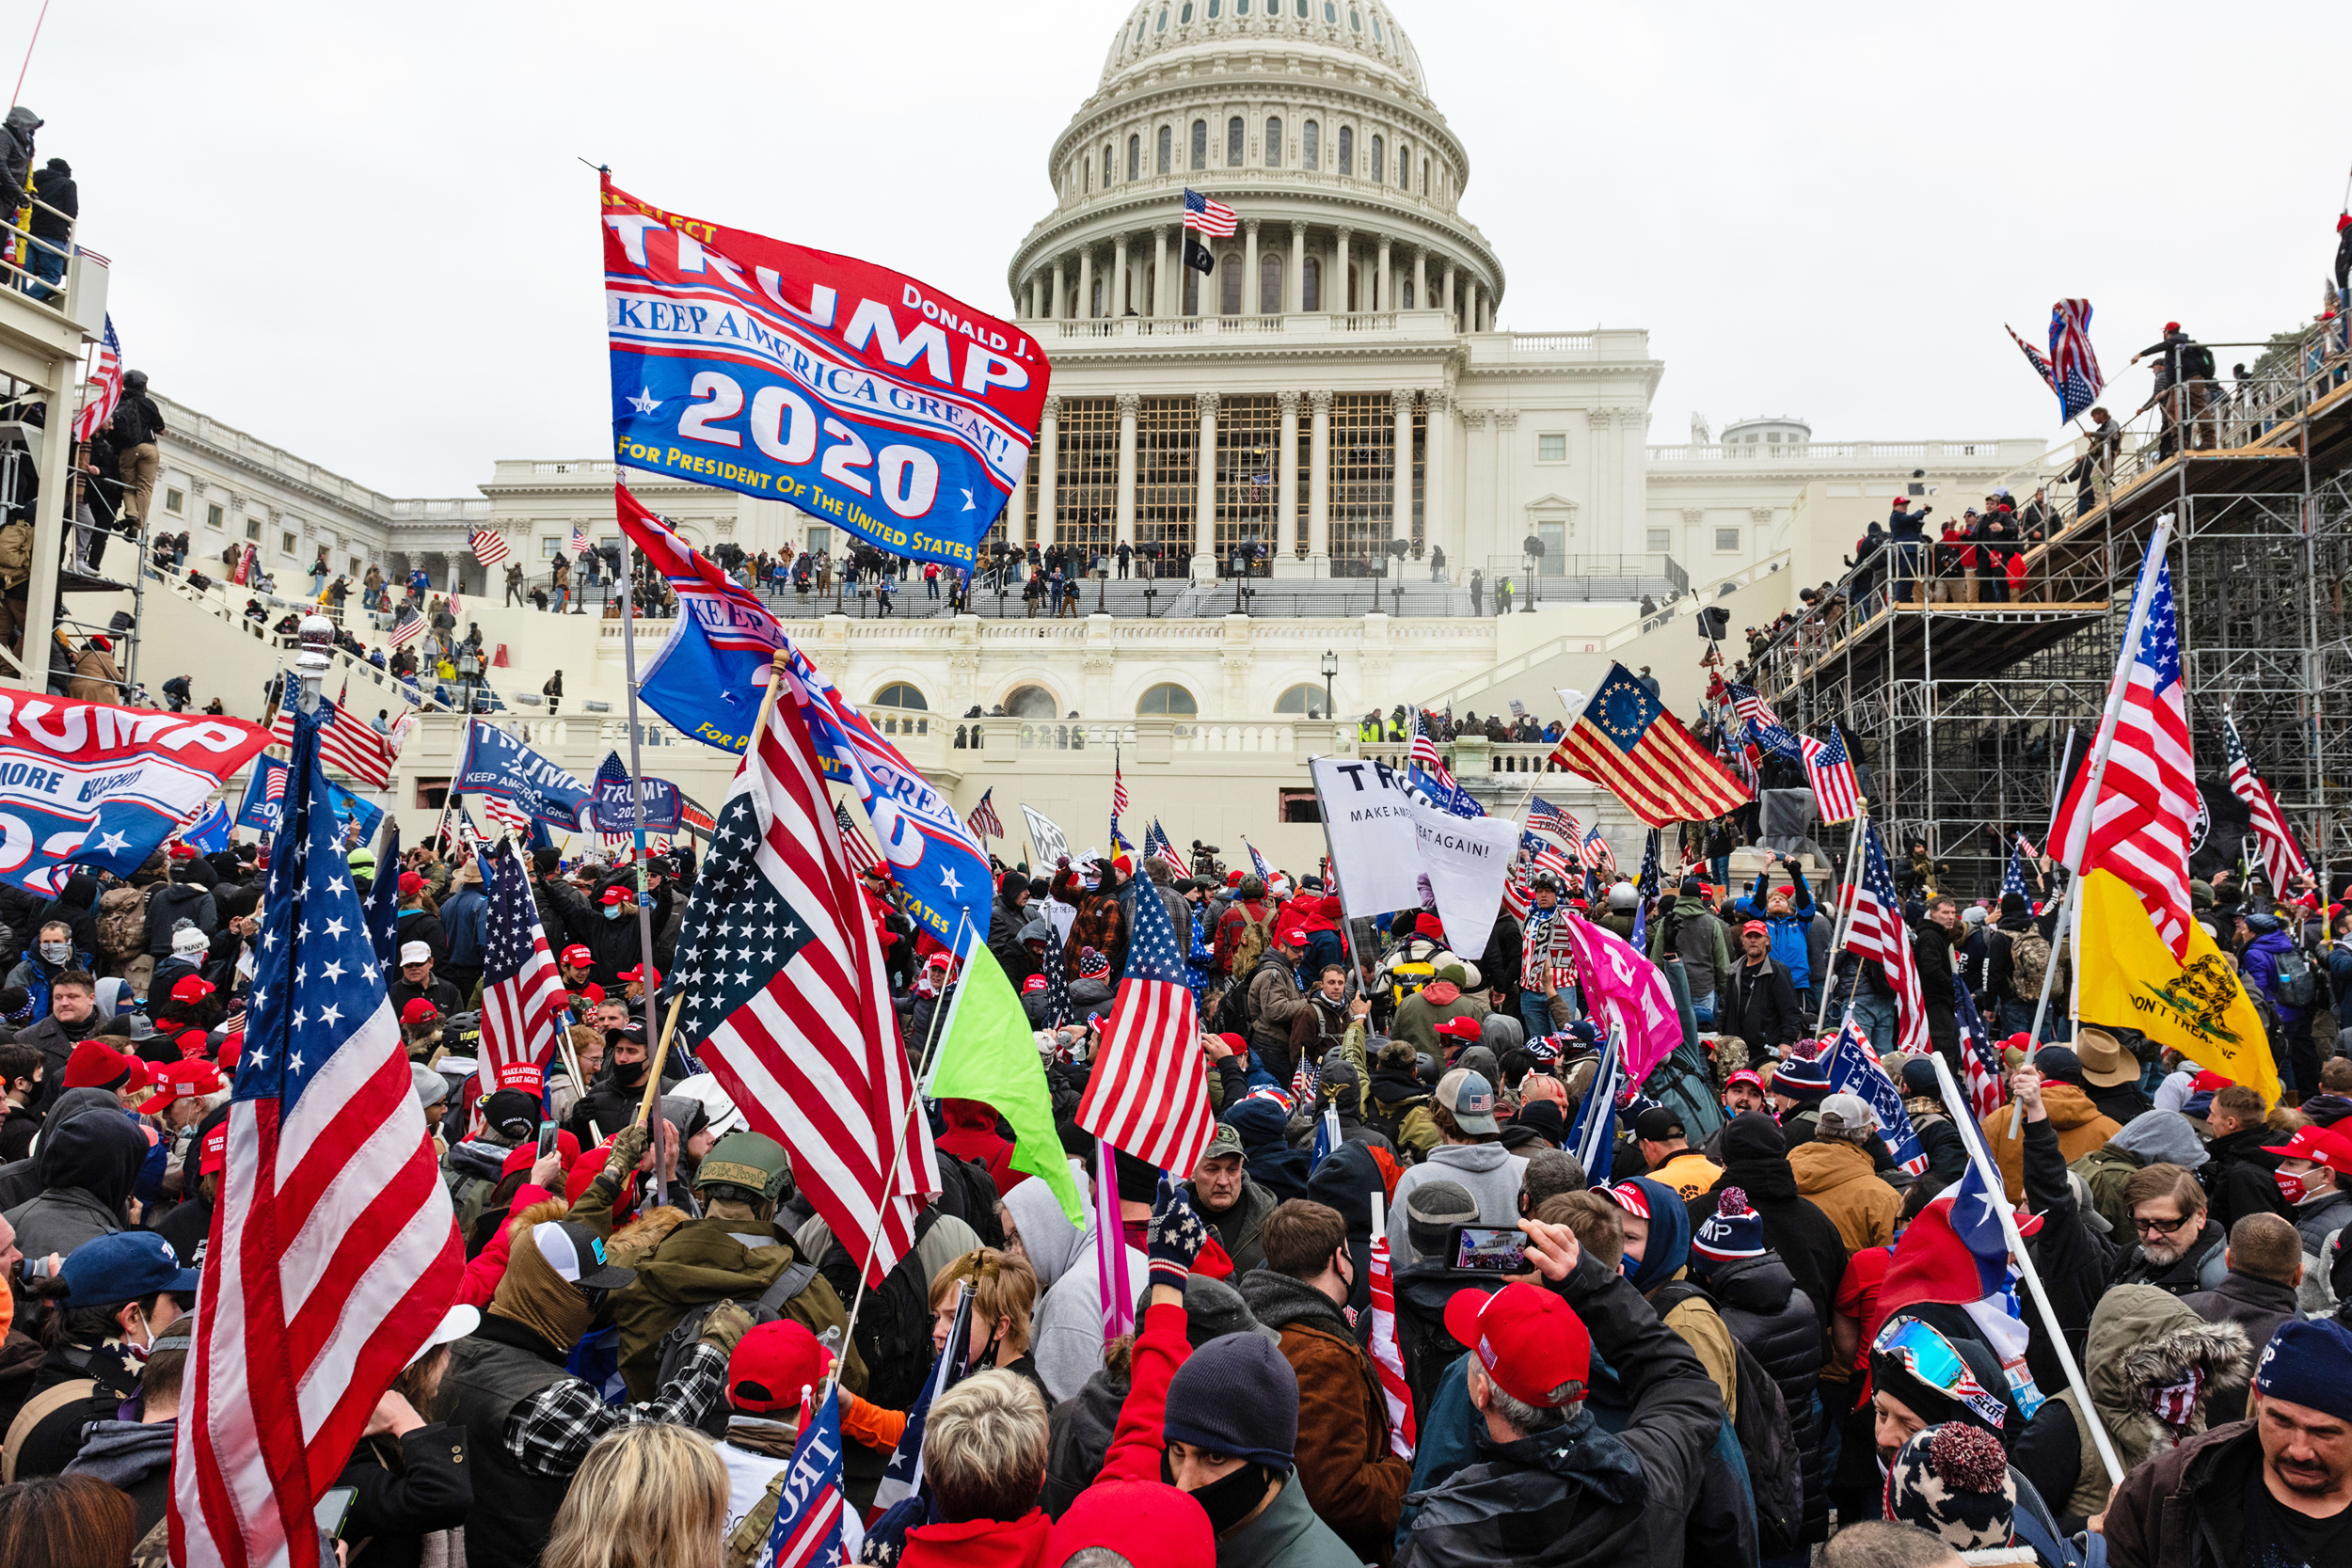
1756,1161
2255,1305
405,1489
1758,1301
1761,1005
136,420
54,187
2074,1261
2240,1180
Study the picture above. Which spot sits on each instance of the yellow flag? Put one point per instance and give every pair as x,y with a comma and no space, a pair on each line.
2130,977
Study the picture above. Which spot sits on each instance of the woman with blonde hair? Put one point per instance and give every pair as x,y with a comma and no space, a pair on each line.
1003,1293
648,1495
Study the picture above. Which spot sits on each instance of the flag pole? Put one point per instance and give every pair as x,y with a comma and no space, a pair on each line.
1844,923
1989,1175
636,803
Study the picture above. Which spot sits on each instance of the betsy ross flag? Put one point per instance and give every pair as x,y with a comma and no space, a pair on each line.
1878,932
348,743
1209,217
984,819
522,996
333,1251
815,1526
1627,741
1150,1092
2138,828
782,972
2282,857
1388,1361
490,547
105,386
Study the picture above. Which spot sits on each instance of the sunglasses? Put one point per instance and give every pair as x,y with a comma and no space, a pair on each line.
2158,1228
1930,1358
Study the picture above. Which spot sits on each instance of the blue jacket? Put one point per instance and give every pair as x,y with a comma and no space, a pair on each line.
1907,527
2261,963
1792,932
466,918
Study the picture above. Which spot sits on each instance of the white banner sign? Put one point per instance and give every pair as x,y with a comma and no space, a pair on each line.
1046,840
1392,852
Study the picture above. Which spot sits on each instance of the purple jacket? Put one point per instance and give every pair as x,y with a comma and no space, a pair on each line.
2261,963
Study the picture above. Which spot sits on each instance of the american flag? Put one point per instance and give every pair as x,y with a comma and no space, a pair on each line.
1854,1069
1056,968
1764,726
507,814
1646,884
1546,855
2074,368
1388,1361
1209,217
580,539
814,1526
1830,768
1423,750
984,818
1626,740
2138,828
333,1248
862,854
1878,932
349,743
490,547
782,973
2040,367
2013,874
1544,817
1257,864
105,386
1979,1058
408,627
1157,845
1595,852
1119,794
273,786
2282,858
522,995
1518,896
1149,1091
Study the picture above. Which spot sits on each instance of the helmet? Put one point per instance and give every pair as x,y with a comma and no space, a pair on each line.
751,1162
1622,897
1545,883
136,380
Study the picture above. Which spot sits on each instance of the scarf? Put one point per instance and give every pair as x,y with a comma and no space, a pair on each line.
2175,1403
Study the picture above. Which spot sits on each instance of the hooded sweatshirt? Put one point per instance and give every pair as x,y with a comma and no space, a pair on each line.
2143,1340
1066,1336
2079,1125
86,1168
1840,1180
1756,1161
1265,1149
1491,1172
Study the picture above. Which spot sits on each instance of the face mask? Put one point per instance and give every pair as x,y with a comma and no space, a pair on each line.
614,912
2297,1185
56,952
627,1072
1229,1499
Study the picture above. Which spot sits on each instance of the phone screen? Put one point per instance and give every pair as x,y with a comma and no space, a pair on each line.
334,1505
1490,1249
546,1139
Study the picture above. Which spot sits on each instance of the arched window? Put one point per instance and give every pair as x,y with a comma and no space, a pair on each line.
1302,10
1134,157
1311,294
1270,285
1409,293
1031,701
1161,26
899,694
1186,15
1215,6
1200,144
1085,176
1140,22
1375,27
1232,142
1167,139
1311,149
1228,302
1240,7
1305,699
1378,165
1403,167
1424,177
1330,14
1354,19
1166,698
1274,141
1108,167
1348,149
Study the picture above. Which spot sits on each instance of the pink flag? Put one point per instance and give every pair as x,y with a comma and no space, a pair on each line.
1630,991
1385,1358
1110,1246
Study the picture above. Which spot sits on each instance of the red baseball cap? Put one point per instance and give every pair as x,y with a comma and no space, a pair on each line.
577,955
1746,1075
1527,1339
1755,928
192,988
2209,1080
188,1079
2320,1145
93,1065
591,993
214,1151
410,882
231,1047
417,1008
773,1365
1461,1028
1035,982
638,974
613,894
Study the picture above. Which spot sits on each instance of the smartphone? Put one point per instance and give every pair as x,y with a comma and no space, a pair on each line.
546,1139
333,1508
1487,1249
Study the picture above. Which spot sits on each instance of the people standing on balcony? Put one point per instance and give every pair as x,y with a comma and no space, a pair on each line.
1478,591
553,691
16,146
1906,533
60,204
137,425
560,578
2179,376
1996,543
1502,597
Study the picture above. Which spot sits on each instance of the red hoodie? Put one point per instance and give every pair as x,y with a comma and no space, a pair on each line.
982,1543
1129,1509
971,1134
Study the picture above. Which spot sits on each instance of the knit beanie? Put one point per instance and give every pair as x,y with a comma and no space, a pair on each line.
1733,1232
1802,1079
1954,1482
1235,1396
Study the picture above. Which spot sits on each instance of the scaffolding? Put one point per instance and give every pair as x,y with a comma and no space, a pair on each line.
1961,713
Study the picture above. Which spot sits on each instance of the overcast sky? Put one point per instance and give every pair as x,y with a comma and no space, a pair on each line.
362,233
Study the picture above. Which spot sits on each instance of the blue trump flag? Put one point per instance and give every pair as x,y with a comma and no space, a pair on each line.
815,1526
208,833
615,813
495,763
259,810
1854,1069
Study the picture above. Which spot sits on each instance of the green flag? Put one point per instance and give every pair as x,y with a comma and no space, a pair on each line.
989,1054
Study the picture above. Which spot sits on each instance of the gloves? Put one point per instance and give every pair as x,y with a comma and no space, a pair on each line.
728,1322
1174,1238
628,1149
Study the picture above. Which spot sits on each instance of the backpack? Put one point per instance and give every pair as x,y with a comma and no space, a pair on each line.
2297,982
2029,962
1249,942
894,1324
2195,362
121,924
1768,1439
688,1332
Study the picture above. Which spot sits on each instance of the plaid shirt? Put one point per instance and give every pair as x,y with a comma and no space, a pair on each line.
549,1433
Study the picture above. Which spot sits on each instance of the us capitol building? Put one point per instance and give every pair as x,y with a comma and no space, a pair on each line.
1336,394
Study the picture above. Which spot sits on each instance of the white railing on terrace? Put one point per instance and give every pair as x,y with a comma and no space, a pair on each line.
1485,347
1818,451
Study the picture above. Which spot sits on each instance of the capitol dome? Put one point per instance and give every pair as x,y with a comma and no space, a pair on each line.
1312,120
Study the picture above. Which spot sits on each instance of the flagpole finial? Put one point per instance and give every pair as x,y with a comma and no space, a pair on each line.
311,665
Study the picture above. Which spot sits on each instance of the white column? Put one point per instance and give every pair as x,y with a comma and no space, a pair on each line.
1510,528
1053,307
1086,284
1401,504
1382,299
1250,300
1295,285
1319,475
1129,403
1421,277
1453,321
1032,287
1118,275
1436,518
1286,554
1048,464
1204,504
1335,288
1159,306
1477,511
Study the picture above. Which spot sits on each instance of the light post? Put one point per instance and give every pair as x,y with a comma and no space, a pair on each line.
1330,668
